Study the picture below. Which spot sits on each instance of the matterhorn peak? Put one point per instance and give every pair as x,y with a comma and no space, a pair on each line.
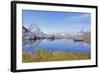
34,27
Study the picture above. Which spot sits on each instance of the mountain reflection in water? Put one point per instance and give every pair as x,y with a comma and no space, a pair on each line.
67,45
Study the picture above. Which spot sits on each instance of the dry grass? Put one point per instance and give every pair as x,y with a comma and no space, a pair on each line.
43,56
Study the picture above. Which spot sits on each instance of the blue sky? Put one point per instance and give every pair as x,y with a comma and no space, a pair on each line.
57,22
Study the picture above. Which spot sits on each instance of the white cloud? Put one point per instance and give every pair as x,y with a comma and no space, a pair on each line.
80,16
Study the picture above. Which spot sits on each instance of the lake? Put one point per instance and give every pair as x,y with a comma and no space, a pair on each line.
66,45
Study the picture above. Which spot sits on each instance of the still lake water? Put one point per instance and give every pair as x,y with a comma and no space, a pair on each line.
66,45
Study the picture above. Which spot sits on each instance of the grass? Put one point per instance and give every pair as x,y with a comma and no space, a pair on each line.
87,39
44,56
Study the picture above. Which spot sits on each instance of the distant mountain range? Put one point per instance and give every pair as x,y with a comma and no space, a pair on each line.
34,32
